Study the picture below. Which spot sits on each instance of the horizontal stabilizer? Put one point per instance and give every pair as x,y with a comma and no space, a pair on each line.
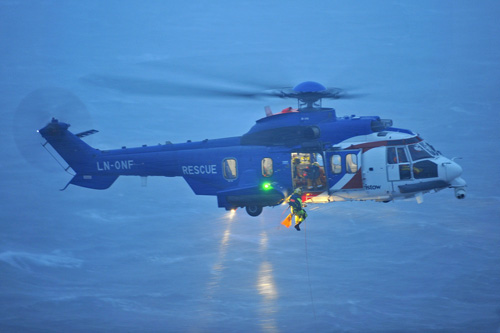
92,181
86,133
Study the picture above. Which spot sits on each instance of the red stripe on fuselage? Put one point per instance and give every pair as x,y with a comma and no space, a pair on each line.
368,145
356,182
374,144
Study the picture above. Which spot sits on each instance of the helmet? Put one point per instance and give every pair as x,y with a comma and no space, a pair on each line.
298,191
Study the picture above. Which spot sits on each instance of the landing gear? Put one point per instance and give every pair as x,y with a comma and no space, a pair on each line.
253,210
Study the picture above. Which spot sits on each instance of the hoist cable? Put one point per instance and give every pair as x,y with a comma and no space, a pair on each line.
308,274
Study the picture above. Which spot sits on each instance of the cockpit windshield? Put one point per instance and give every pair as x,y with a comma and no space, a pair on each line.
430,148
421,150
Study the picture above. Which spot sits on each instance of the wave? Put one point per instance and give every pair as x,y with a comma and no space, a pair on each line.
25,260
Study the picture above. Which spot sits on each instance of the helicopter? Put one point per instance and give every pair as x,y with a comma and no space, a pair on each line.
331,158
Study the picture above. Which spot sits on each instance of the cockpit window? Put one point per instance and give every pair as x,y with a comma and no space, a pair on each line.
402,155
425,169
418,152
430,148
396,155
392,158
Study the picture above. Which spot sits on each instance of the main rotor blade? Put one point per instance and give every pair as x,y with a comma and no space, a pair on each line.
154,87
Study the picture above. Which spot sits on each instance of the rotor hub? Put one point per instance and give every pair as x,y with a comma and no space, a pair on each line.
309,87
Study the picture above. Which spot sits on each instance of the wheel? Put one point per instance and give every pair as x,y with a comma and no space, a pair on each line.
253,210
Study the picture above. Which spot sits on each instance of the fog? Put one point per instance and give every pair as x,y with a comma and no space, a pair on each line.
158,258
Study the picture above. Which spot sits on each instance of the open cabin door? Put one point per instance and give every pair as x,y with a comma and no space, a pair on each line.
344,170
308,172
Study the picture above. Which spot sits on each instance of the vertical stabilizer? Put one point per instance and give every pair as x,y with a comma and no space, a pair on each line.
71,148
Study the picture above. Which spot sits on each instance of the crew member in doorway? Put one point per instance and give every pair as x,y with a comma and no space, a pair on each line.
295,170
295,201
313,175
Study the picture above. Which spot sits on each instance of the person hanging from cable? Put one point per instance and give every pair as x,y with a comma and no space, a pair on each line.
295,202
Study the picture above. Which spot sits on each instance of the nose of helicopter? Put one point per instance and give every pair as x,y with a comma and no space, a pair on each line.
452,171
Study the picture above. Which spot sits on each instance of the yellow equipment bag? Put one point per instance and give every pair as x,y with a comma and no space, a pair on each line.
287,222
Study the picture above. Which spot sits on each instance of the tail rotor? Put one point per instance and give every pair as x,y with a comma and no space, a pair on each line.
35,111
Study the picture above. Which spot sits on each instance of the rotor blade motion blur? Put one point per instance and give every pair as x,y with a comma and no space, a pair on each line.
308,90
36,110
154,87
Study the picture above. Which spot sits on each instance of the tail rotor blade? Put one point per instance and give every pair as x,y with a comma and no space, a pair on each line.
35,111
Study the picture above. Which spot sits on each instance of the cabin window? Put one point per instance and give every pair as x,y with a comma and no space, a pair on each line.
336,164
229,168
267,167
351,161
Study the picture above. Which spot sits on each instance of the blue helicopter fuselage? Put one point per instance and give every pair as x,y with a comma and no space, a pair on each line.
260,168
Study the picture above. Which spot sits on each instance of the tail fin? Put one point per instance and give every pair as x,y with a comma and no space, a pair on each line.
71,148
77,154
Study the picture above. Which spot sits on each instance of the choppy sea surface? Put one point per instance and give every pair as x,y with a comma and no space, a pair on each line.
157,258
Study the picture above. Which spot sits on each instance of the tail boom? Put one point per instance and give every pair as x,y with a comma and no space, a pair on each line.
98,169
